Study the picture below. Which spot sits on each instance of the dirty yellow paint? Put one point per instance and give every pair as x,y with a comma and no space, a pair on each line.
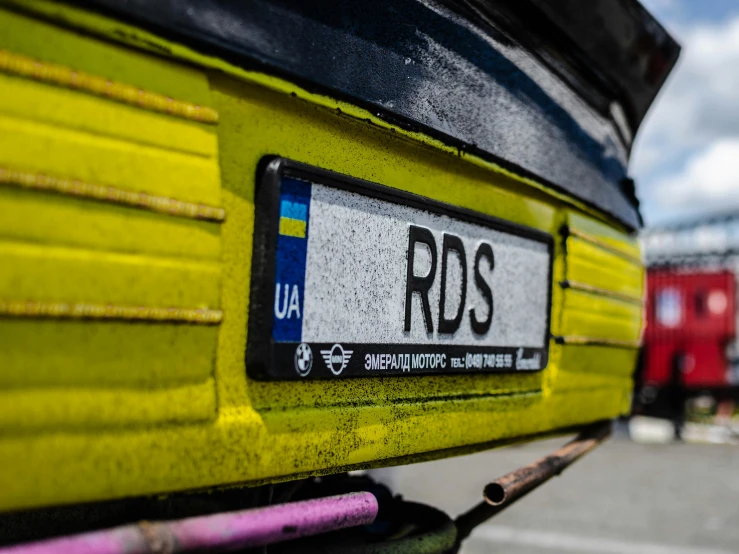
97,226
27,99
23,66
27,145
38,411
73,187
43,38
62,310
93,410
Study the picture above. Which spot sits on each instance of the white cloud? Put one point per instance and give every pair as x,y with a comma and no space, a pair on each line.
686,157
708,182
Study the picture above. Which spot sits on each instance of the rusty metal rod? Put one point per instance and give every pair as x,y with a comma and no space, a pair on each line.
507,489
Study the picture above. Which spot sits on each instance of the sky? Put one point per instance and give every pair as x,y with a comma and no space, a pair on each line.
685,159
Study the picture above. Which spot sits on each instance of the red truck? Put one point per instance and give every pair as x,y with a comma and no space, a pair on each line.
691,319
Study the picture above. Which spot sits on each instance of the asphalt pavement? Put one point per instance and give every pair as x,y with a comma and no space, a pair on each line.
652,498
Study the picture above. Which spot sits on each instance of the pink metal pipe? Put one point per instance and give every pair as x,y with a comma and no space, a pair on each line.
218,532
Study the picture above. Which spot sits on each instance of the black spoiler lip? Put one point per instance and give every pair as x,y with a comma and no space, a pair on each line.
619,40
529,96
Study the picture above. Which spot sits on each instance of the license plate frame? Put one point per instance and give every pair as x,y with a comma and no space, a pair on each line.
270,359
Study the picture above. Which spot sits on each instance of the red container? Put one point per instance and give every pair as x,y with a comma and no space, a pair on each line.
693,314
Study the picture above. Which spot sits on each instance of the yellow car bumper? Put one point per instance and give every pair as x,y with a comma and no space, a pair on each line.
127,199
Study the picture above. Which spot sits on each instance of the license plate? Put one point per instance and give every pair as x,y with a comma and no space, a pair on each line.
355,279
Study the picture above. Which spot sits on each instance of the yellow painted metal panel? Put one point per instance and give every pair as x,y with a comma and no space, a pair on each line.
590,264
272,431
37,410
238,443
602,362
51,353
598,317
53,273
41,217
65,76
609,235
76,188
53,105
51,43
27,145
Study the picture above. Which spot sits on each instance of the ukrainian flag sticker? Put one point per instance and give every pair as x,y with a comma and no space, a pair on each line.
293,217
292,249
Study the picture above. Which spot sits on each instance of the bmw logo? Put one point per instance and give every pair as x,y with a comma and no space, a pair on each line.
303,359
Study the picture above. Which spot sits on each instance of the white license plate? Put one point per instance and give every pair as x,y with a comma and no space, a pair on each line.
354,279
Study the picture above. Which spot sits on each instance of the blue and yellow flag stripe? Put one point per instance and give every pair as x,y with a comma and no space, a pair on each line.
292,227
291,259
293,218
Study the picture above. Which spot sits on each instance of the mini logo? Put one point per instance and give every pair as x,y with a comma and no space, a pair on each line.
337,358
303,359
